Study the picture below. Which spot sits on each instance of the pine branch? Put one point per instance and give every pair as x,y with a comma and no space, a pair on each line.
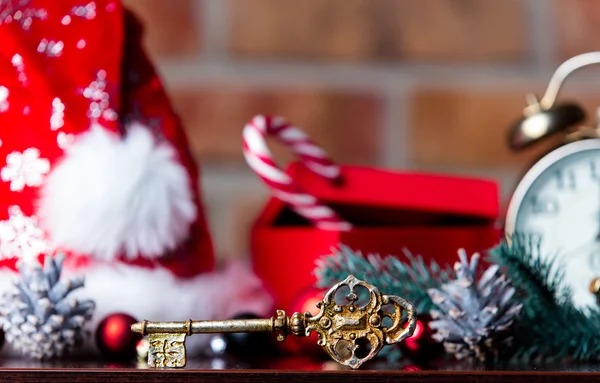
540,280
551,327
410,279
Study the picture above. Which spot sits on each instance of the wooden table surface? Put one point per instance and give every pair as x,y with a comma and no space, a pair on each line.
289,370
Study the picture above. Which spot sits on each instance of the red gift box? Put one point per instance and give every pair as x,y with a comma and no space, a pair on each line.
429,215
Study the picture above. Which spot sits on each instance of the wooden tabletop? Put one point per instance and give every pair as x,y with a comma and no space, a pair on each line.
290,370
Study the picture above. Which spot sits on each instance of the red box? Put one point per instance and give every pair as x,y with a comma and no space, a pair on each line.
430,215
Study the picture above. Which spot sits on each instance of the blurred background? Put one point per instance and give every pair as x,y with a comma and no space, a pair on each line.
400,84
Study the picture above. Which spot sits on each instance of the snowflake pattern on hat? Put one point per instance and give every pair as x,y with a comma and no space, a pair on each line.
95,163
99,99
22,235
21,13
64,140
68,68
25,169
3,99
58,114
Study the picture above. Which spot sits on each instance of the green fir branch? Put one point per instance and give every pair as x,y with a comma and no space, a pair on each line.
409,278
550,326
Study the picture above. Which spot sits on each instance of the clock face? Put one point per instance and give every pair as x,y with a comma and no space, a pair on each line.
558,201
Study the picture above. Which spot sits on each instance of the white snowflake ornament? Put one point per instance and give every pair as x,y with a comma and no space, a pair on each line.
25,169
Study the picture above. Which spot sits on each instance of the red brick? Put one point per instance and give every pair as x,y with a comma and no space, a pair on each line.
171,27
379,29
469,128
347,125
578,27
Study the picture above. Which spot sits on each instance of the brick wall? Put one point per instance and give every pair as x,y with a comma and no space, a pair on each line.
403,84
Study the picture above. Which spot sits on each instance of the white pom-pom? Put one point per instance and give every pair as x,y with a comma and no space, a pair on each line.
110,196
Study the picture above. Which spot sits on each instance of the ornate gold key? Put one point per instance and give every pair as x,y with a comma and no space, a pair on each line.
342,328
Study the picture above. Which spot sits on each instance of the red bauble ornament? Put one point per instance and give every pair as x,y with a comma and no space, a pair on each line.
421,347
305,301
114,337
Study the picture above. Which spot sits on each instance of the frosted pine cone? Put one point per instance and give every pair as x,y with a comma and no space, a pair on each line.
474,318
38,316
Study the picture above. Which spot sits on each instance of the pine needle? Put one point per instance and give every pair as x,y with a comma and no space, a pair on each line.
407,277
550,327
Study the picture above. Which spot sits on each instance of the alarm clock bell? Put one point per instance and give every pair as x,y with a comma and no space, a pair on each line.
544,118
557,201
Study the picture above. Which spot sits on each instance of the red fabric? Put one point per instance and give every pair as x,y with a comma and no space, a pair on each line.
101,39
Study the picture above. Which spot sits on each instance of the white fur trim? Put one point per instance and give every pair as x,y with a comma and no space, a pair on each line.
110,196
157,295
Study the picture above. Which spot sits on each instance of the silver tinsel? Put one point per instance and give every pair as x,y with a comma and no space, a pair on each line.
474,318
38,316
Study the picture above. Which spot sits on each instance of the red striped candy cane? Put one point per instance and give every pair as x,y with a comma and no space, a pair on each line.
259,158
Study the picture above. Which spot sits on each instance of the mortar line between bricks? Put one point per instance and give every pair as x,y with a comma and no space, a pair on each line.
542,29
214,28
396,139
231,176
191,67
188,74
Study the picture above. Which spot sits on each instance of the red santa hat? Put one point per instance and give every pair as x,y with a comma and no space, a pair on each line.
95,163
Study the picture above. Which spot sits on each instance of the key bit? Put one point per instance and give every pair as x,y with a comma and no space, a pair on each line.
343,328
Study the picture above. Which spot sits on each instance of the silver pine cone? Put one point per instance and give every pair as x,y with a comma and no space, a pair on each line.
38,316
475,318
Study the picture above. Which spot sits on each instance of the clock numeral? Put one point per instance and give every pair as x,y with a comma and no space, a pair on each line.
543,205
565,179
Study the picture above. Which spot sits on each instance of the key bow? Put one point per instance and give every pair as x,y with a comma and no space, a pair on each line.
354,328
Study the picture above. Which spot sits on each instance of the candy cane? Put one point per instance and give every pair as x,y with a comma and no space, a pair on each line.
259,158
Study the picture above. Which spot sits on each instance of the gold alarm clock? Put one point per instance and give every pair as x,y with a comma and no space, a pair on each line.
557,201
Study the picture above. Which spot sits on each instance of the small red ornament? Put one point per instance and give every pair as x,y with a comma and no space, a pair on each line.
421,347
305,301
114,337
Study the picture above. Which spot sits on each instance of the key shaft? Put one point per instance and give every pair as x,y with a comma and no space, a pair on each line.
339,325
204,326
